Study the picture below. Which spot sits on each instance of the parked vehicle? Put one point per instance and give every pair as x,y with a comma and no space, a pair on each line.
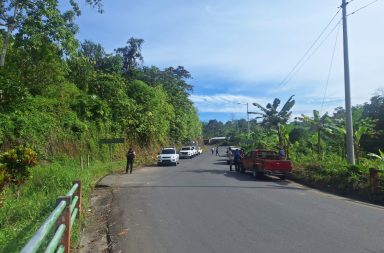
261,162
188,152
168,156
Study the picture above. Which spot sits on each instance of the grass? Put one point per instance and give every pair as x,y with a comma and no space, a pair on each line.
334,174
21,216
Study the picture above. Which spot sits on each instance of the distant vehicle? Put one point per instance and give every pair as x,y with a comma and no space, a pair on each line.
215,140
168,156
188,152
261,162
230,157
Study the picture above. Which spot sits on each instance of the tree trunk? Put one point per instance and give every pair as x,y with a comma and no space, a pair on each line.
279,135
5,47
11,24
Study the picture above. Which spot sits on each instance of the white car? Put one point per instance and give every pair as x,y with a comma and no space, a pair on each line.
168,156
188,152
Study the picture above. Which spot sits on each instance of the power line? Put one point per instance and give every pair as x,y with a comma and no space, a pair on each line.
330,69
284,81
365,6
312,53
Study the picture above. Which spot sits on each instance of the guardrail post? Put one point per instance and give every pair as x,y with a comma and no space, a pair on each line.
78,193
65,218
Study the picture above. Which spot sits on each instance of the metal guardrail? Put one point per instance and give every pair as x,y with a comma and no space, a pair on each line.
68,207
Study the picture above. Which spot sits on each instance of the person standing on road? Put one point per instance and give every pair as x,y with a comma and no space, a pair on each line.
281,153
130,159
230,158
217,151
236,159
213,150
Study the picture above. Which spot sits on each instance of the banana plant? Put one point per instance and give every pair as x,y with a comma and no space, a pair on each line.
274,118
379,156
318,125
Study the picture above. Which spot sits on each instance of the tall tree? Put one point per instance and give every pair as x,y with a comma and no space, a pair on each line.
131,53
274,118
26,16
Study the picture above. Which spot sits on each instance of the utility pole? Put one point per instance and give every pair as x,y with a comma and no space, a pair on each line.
348,109
249,131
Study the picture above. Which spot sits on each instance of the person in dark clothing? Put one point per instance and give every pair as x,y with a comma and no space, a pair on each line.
130,159
281,153
236,159
217,151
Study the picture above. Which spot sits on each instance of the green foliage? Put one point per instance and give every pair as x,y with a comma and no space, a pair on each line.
380,156
60,99
131,55
12,93
25,208
274,118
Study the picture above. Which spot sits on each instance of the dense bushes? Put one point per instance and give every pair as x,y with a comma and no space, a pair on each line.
92,98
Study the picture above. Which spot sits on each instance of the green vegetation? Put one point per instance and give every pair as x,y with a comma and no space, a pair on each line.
59,97
316,144
23,211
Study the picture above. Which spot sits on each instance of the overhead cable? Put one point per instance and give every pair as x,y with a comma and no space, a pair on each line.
365,6
311,54
329,70
287,77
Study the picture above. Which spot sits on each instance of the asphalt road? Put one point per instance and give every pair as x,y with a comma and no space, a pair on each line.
200,206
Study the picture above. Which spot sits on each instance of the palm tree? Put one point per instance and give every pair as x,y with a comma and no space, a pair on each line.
273,118
318,125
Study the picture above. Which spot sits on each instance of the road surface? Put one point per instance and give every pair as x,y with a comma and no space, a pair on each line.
200,206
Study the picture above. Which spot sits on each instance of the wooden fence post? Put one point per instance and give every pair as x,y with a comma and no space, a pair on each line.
65,218
81,162
78,193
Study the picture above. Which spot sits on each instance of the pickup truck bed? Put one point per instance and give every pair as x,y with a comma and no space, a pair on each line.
266,162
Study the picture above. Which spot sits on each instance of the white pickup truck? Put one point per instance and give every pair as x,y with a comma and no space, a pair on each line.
168,156
188,152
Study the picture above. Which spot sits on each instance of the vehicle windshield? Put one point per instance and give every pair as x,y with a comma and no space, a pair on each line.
168,151
186,148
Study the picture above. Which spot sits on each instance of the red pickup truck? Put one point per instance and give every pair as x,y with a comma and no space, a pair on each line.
261,162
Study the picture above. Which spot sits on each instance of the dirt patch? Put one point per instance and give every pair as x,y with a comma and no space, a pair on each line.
94,237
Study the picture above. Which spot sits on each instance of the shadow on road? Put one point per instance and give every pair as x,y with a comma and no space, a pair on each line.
220,162
205,171
216,186
241,176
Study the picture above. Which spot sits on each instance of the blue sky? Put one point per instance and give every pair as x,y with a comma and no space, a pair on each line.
240,51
